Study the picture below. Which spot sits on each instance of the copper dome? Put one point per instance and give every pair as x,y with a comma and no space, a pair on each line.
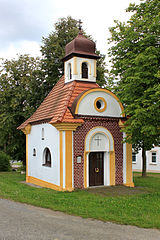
82,47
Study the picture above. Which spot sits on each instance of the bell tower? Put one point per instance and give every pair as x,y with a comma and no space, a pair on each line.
80,59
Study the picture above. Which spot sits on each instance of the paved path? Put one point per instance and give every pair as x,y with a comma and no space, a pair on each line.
20,221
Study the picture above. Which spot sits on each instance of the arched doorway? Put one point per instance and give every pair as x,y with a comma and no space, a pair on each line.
99,164
96,168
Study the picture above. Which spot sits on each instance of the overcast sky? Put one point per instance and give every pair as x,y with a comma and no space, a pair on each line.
24,22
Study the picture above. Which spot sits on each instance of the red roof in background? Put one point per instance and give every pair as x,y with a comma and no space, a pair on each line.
55,107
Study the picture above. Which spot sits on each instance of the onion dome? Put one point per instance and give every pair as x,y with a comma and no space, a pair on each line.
80,47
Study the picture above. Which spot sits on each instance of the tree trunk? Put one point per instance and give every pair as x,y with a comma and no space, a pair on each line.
144,162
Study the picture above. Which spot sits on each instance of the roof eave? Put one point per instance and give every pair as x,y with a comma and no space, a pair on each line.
83,55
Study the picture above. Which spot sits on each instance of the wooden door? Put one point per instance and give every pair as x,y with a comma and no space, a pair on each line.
96,163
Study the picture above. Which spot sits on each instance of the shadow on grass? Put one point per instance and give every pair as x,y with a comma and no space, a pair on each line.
115,191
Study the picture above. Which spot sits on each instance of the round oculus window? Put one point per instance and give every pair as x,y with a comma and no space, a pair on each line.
100,104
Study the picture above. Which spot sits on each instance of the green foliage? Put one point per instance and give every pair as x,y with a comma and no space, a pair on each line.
4,162
25,82
21,91
101,70
135,58
141,209
53,50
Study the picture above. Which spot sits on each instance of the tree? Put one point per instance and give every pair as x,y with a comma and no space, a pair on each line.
53,50
20,93
135,58
25,82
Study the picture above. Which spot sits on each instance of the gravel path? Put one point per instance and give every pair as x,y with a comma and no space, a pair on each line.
21,221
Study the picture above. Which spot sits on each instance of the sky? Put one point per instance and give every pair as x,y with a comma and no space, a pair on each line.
23,23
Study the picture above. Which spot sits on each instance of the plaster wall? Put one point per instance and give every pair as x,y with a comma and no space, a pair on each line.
151,167
86,106
76,69
35,163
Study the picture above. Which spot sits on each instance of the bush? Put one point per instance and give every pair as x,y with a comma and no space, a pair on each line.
4,162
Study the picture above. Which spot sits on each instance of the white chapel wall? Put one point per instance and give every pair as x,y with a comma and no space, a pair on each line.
86,106
51,140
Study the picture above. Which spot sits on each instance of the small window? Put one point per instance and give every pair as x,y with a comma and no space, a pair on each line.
84,70
34,152
69,71
42,133
154,157
100,104
133,157
47,157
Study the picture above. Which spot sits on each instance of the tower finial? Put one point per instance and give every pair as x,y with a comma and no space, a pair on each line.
80,25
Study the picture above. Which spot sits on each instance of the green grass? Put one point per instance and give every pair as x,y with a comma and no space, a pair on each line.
138,206
18,164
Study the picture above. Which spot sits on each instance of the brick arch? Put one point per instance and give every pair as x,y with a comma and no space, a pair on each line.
102,130
79,142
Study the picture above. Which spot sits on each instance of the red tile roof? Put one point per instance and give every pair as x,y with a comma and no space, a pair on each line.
55,107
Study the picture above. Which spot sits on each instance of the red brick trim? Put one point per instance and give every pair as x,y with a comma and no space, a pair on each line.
79,141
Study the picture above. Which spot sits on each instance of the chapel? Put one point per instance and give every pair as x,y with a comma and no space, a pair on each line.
75,137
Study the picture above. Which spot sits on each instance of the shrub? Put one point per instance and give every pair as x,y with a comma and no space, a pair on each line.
4,162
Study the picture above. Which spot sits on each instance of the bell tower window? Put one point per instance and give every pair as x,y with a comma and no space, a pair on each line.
84,70
69,71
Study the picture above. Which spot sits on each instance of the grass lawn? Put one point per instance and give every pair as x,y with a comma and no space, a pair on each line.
18,164
138,206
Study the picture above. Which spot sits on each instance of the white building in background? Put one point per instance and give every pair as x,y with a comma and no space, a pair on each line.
152,157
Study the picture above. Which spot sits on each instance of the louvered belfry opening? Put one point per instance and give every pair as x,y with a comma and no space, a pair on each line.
84,70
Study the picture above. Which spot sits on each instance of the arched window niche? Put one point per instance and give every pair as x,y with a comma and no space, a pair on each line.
84,70
42,137
34,152
69,71
47,157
